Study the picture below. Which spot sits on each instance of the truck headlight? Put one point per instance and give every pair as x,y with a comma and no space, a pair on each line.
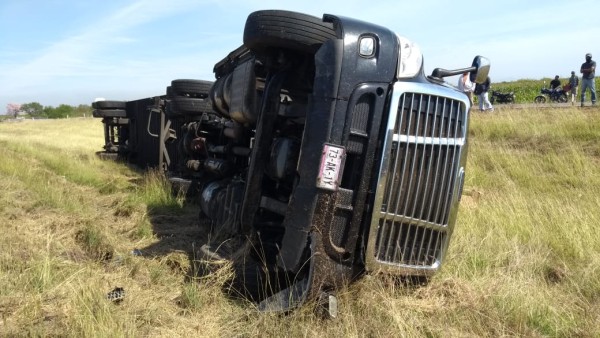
410,59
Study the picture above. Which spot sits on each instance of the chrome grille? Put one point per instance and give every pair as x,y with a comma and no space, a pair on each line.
419,182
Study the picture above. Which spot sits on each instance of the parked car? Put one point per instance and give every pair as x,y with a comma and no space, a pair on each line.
328,153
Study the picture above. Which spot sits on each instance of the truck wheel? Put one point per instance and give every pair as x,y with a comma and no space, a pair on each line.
109,113
108,104
285,29
192,88
190,105
170,113
540,99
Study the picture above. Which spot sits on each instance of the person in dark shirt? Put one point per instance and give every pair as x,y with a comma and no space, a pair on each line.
555,84
588,71
481,90
573,85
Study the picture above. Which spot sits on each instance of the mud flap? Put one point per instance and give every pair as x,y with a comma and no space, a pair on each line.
294,295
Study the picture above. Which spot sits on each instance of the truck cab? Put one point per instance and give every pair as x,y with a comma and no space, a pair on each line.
329,154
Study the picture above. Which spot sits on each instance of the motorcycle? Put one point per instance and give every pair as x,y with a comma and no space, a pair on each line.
556,95
502,97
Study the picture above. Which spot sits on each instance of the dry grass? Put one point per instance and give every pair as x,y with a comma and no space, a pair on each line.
524,260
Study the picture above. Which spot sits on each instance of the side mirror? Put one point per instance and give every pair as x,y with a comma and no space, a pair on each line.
481,71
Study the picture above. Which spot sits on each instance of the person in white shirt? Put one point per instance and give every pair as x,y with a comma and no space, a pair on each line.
466,86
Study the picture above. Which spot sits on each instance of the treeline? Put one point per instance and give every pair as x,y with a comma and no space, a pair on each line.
36,110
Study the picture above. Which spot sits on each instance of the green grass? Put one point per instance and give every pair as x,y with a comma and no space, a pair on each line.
524,259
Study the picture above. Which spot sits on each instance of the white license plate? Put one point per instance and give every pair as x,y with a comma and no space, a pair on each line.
332,166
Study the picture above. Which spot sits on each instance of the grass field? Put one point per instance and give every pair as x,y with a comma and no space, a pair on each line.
526,90
524,260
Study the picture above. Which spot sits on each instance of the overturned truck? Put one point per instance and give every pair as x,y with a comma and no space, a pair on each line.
328,153
322,151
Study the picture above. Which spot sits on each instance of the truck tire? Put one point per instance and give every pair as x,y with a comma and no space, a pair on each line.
109,113
109,105
191,88
190,105
285,29
170,113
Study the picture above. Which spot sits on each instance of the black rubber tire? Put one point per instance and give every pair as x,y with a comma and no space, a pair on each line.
540,99
109,113
116,121
109,104
194,88
285,29
170,113
190,106
493,100
169,92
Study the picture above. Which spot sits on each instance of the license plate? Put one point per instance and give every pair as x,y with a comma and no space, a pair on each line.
332,165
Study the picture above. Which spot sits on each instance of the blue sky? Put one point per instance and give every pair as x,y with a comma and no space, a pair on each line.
67,51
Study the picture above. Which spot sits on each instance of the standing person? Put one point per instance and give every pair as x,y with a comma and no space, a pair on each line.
466,86
573,83
588,71
481,89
